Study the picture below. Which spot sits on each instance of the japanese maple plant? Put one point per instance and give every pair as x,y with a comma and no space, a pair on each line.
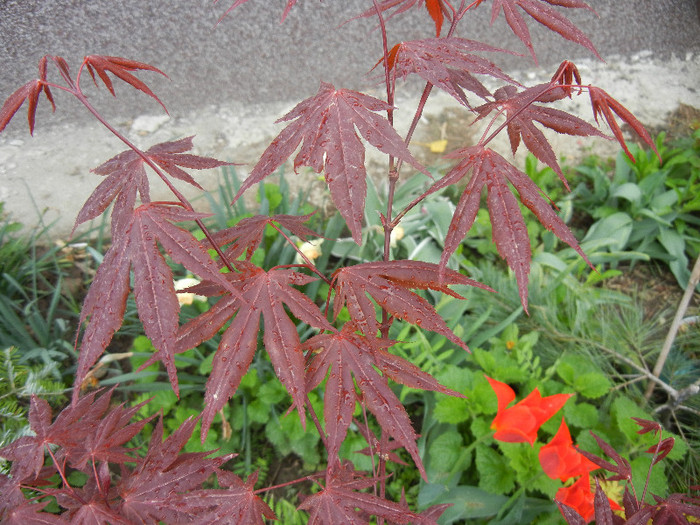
352,361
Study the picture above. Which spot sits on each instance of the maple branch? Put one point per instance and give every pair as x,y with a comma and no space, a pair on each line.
83,100
387,76
523,107
419,113
63,476
309,264
310,477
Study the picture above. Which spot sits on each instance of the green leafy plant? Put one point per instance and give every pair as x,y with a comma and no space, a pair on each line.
646,208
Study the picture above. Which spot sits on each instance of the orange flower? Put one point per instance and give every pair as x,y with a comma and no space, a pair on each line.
580,498
559,458
520,423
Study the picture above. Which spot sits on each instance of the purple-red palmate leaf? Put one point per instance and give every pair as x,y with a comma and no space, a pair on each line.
621,468
338,500
235,505
161,485
328,123
290,4
264,293
570,514
27,452
29,513
29,92
158,308
389,284
351,355
648,426
379,447
247,235
601,503
545,15
661,449
521,114
437,9
605,105
447,63
90,503
566,76
490,169
125,175
105,443
70,427
676,508
100,65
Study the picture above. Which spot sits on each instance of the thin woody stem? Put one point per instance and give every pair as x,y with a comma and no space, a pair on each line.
83,100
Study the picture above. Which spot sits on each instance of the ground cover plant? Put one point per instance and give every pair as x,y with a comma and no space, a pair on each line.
333,359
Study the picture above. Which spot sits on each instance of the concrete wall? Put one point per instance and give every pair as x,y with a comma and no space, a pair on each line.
251,58
230,82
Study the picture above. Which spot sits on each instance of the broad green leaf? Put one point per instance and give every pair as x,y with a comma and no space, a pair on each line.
592,384
451,410
470,502
444,451
616,227
582,415
495,475
629,191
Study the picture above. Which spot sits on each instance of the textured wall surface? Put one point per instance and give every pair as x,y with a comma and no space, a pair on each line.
228,84
251,58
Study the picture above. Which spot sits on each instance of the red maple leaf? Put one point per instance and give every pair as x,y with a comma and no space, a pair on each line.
489,169
31,513
605,105
162,483
151,225
31,92
27,452
120,67
125,175
263,293
338,500
389,284
522,113
383,447
70,428
437,9
447,63
247,235
105,443
236,505
520,423
545,15
350,355
327,124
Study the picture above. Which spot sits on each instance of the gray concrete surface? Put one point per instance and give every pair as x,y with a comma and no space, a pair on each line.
230,82
251,58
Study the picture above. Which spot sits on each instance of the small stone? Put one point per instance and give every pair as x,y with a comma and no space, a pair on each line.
146,124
